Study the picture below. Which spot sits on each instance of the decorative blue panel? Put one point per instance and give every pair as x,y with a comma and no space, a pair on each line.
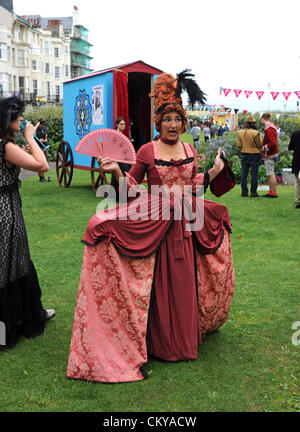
82,113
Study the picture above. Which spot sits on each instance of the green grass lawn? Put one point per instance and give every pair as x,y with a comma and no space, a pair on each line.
250,364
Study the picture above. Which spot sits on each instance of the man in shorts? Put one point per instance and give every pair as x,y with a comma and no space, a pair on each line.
270,153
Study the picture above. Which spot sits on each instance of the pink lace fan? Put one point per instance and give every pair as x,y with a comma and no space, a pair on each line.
107,143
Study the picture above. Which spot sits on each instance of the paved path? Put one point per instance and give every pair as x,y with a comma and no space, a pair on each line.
26,174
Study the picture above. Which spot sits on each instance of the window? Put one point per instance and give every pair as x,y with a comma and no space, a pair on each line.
5,79
56,52
57,93
21,58
66,70
35,87
48,89
36,65
67,50
47,68
57,72
47,47
3,51
22,82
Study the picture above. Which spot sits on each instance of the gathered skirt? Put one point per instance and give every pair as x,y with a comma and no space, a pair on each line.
129,308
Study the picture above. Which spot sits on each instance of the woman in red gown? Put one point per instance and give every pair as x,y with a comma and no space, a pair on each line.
151,285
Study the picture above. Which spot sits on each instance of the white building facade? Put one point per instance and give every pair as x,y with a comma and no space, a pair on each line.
32,60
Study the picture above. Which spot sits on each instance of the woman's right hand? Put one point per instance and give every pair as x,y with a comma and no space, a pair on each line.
30,130
107,165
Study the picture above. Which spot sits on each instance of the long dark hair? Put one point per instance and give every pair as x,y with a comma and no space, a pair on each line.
10,109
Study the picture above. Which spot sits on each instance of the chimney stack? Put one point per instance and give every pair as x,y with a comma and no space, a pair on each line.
75,16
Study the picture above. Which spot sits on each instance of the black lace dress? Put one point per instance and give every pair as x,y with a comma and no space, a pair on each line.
21,310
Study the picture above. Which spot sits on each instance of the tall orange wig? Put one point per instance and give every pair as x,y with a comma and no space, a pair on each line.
167,95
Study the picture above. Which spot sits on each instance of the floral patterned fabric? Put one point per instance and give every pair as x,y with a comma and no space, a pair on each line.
161,303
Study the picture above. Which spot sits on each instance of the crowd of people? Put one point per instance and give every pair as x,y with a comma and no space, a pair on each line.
210,130
255,148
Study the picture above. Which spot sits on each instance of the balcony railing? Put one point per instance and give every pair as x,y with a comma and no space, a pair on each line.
34,99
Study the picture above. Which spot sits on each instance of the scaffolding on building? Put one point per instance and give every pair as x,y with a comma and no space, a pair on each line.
80,52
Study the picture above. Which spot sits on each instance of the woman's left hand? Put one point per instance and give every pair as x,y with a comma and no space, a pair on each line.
218,163
107,165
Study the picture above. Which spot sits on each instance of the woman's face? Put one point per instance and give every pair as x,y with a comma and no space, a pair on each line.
15,124
121,126
171,126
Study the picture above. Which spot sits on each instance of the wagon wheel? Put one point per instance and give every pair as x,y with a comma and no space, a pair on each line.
98,177
64,164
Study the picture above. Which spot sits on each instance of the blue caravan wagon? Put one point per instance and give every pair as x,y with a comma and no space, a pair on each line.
95,101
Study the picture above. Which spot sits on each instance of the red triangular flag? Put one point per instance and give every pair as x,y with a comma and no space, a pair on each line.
248,93
298,94
237,92
259,94
286,95
274,95
226,91
244,112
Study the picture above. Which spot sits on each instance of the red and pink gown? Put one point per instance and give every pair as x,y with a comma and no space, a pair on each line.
150,286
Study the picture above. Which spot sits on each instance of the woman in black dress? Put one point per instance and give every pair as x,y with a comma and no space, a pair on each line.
21,310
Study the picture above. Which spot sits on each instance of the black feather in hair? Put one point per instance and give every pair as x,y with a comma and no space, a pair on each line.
186,81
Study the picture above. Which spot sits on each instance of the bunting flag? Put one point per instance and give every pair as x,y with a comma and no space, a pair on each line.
248,93
259,94
244,112
226,91
237,92
274,95
236,110
286,95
